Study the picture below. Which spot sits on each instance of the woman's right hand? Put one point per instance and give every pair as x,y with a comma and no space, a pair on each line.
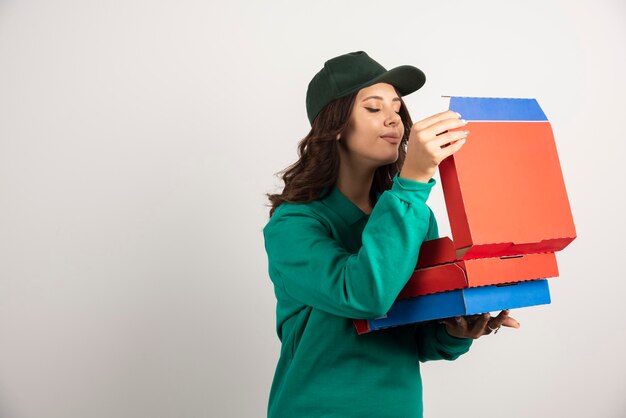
428,146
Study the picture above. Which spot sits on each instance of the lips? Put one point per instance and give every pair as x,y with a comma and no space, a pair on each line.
391,138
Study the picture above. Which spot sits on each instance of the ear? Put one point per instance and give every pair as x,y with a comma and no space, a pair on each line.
338,137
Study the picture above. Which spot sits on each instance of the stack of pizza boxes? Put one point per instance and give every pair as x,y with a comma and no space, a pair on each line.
508,211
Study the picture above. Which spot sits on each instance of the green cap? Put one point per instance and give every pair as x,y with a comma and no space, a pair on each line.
351,72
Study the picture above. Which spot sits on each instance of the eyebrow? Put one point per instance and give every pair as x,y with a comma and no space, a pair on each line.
396,99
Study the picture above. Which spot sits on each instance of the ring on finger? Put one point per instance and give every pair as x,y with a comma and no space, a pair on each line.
494,330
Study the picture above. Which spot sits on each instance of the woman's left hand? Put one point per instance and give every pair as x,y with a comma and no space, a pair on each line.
475,326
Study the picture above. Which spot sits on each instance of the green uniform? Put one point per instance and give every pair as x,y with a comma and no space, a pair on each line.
330,263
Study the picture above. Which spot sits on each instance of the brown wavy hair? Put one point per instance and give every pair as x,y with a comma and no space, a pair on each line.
317,167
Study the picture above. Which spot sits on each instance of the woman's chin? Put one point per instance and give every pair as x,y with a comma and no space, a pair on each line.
390,159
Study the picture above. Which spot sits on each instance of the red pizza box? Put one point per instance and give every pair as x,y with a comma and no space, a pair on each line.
438,271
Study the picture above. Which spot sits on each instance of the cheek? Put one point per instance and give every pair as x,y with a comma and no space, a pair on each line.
368,129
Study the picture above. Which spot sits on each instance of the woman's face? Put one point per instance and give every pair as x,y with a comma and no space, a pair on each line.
375,130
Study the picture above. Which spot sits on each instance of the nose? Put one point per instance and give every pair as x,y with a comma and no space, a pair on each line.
392,118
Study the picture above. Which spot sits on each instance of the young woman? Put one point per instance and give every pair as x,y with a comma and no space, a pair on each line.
343,239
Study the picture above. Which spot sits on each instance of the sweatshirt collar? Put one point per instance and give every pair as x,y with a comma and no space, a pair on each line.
343,206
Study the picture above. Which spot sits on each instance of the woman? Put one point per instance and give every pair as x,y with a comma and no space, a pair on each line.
343,239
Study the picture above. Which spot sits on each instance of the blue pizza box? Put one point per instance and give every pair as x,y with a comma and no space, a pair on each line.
469,301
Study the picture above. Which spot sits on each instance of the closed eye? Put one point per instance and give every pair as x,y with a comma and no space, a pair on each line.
372,110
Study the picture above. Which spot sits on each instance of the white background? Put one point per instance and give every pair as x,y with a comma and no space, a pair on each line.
137,140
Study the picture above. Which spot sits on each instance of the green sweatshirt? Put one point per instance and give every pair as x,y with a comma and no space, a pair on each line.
330,263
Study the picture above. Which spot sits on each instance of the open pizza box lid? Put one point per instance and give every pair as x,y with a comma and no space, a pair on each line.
504,189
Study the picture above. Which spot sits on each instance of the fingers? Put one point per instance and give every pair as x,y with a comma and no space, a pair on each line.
456,321
429,121
476,326
426,142
461,322
480,326
471,319
439,146
456,326
511,323
496,322
436,132
449,137
459,138
503,319
442,126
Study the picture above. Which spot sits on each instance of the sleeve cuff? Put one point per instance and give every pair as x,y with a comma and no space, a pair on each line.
412,191
451,341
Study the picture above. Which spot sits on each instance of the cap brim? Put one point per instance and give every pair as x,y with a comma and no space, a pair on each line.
406,78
